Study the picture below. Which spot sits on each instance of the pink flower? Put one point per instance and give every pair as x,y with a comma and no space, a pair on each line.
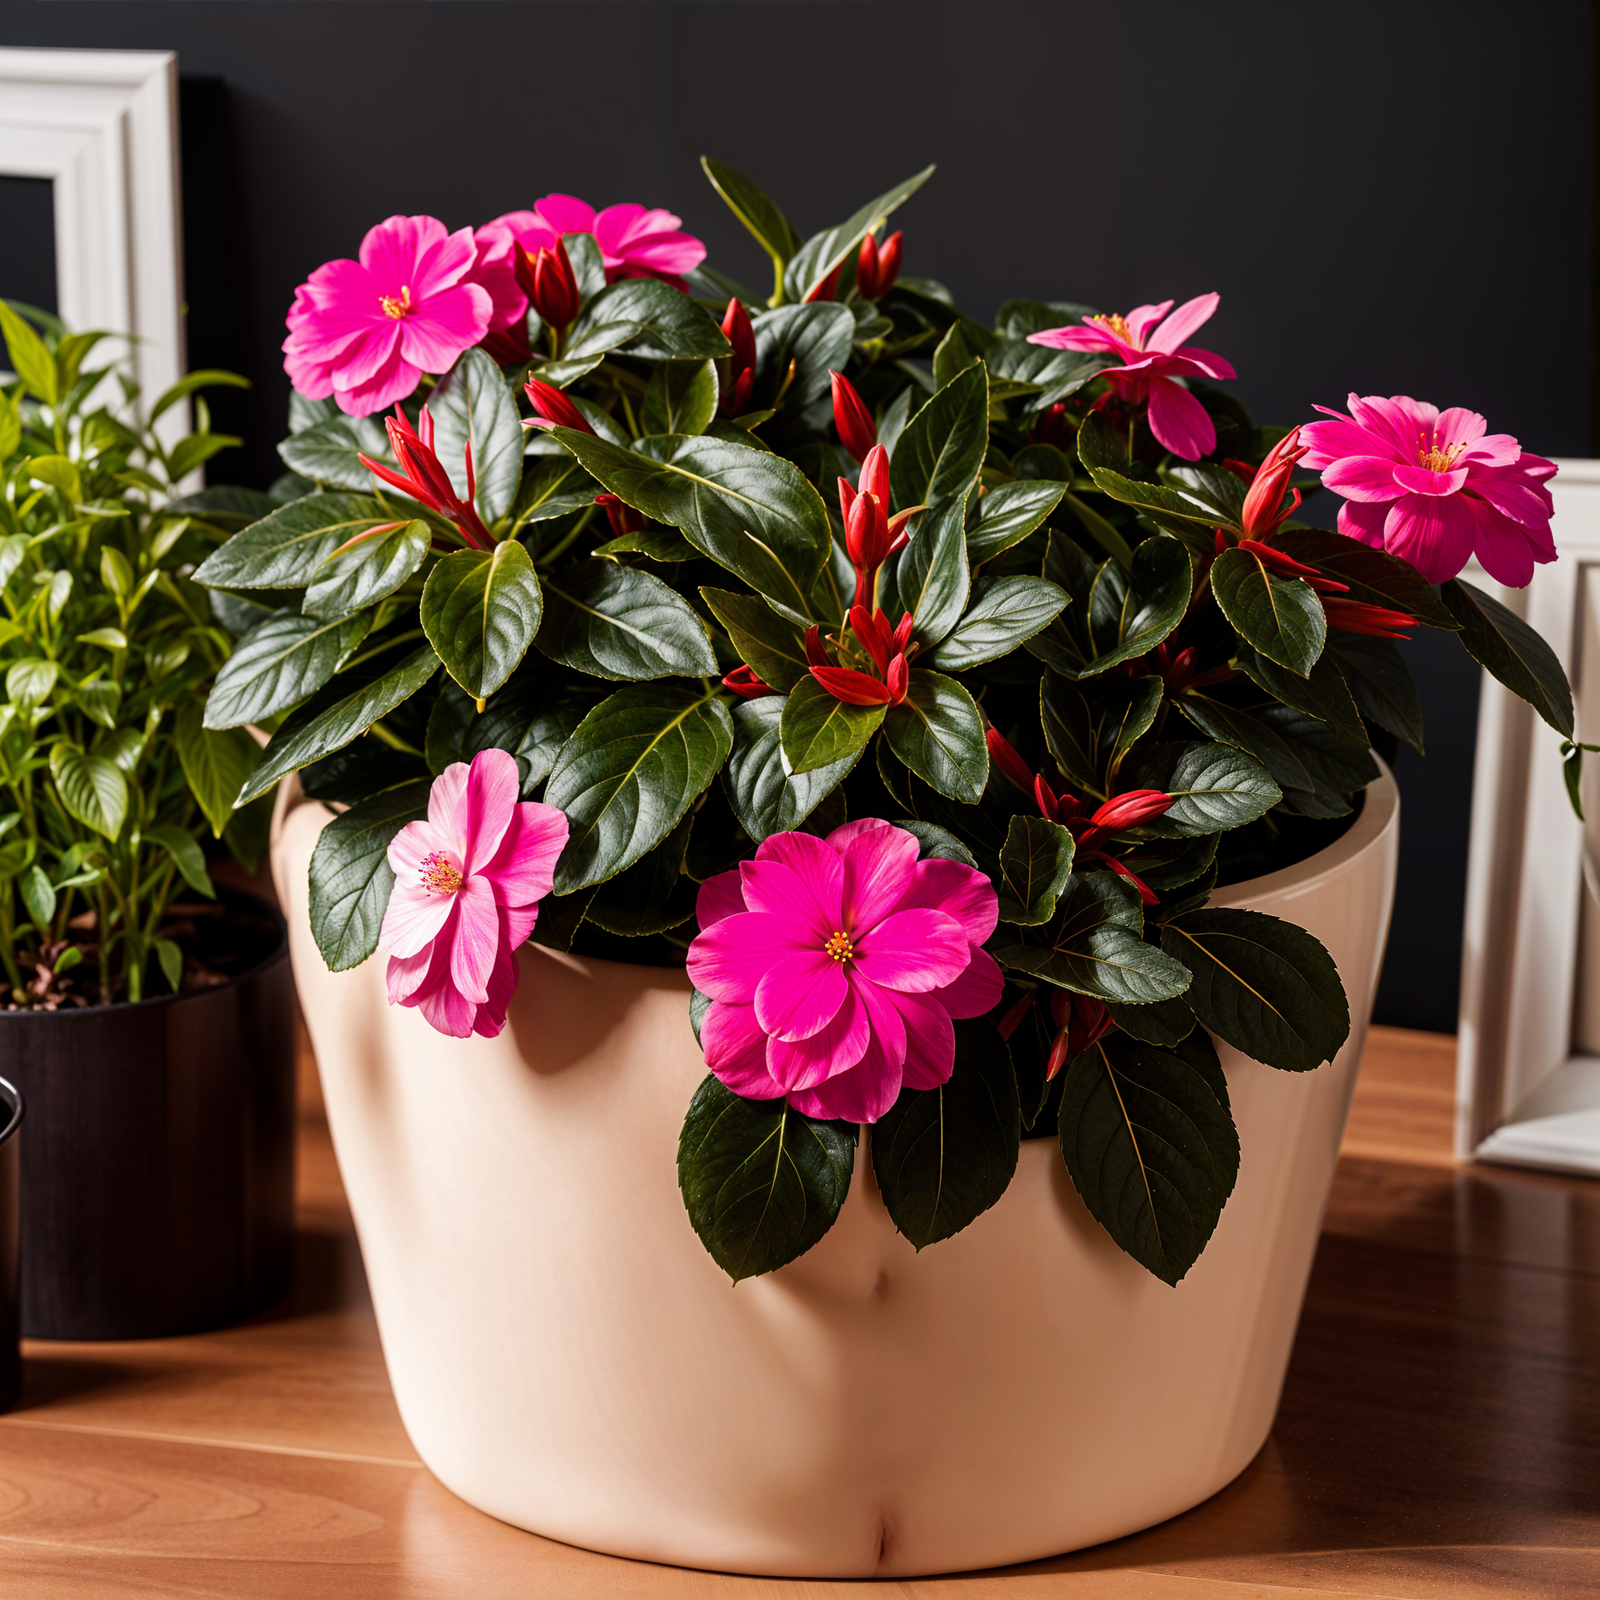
467,885
1434,488
634,243
1152,357
835,966
365,331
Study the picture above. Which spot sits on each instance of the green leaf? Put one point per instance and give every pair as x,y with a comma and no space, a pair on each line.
39,896
279,663
532,725
1381,683
748,509
816,338
681,397
210,378
822,252
674,326
225,505
1282,617
311,732
664,545
91,788
943,1156
215,764
1008,513
619,622
356,577
819,732
1128,613
329,451
186,855
287,550
938,456
1251,735
756,211
1265,986
588,265
1034,867
653,895
1165,1023
29,681
1373,577
1097,946
351,878
1338,767
481,611
1511,652
29,355
930,578
59,473
1148,1146
1089,733
951,356
761,1183
630,771
1045,375
1321,693
170,955
766,796
771,645
472,405
1215,787
938,733
1002,614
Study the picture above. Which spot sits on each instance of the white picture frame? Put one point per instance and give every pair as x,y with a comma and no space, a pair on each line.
1528,1085
102,126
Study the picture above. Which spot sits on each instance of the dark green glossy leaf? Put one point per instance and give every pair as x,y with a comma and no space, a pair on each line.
530,722
620,622
937,844
1216,787
350,874
822,252
1322,693
675,327
938,456
1512,652
471,405
943,1156
1002,614
766,797
1373,577
224,505
1282,617
938,733
1381,683
287,549
930,578
761,1183
630,771
351,579
1148,1146
1050,374
279,663
1008,513
480,611
1265,986
1248,733
91,787
756,210
771,645
681,397
815,338
1088,732
653,895
329,451
819,732
748,509
1034,866
1165,1022
1339,768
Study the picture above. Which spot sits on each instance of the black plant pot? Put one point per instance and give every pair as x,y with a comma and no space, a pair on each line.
10,1228
160,1190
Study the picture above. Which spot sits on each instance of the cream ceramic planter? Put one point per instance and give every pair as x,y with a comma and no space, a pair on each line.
567,1357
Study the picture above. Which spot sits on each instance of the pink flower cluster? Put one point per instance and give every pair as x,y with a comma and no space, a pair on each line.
835,967
467,885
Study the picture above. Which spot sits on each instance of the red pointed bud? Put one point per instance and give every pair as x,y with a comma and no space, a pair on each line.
1130,809
1060,1055
816,655
553,408
873,632
1377,622
874,477
877,266
1263,505
1007,759
1012,1017
622,517
853,688
423,477
1146,893
899,680
1049,804
901,636
858,433
1055,426
739,367
847,498
1288,567
828,289
889,257
744,683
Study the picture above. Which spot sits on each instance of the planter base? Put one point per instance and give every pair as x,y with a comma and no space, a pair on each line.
567,1358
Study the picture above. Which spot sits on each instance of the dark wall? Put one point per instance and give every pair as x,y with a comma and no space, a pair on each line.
1390,197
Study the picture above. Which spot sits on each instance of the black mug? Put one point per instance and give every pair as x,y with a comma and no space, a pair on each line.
10,1226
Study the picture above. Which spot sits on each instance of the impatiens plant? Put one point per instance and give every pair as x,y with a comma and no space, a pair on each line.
910,679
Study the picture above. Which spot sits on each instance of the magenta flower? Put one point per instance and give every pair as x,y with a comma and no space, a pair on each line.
1152,358
365,331
634,243
467,885
1434,488
835,966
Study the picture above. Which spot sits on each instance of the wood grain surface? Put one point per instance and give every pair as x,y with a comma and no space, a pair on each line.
1439,1434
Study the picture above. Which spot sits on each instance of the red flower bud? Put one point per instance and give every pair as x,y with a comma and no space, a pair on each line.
741,364
1146,893
816,656
1377,622
1083,1021
422,476
878,266
828,289
554,408
1263,505
547,279
1130,809
875,474
852,687
745,684
622,517
1007,759
1012,1017
1054,427
858,433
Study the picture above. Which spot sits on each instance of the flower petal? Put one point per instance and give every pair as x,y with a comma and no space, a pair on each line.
930,1041
1404,422
1420,480
522,870
1328,442
1189,316
800,993
1361,520
729,959
414,919
818,868
878,868
1179,421
977,991
736,1050
1508,550
475,940
862,1094
1435,536
835,1048
914,951
957,890
486,806
719,897
1366,478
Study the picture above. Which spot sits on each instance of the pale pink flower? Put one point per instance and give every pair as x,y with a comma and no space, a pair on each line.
634,243
365,331
467,885
834,968
1434,487
1153,356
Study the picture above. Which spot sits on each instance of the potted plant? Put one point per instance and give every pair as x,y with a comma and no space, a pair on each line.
942,732
10,1238
147,1020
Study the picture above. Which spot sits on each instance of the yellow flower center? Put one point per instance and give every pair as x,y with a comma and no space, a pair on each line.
1115,326
839,946
440,875
397,308
1434,457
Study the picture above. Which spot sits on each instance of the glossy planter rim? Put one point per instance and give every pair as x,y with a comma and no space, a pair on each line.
9,1093
278,952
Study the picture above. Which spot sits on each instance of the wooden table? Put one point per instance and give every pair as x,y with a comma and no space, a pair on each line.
1439,1435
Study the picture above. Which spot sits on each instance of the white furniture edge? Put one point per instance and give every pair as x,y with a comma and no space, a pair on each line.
102,126
1525,1096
